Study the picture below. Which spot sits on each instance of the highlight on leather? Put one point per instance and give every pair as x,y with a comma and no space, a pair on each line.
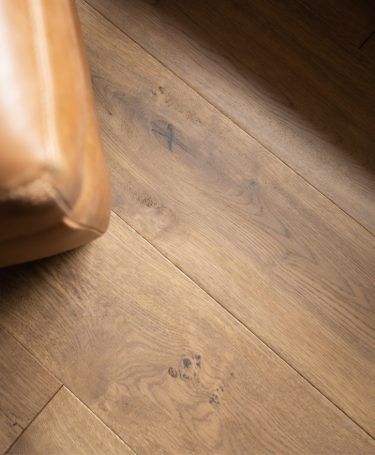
54,189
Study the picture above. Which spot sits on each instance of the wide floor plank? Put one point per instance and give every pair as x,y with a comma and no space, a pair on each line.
347,22
67,427
298,93
368,50
25,387
275,252
161,363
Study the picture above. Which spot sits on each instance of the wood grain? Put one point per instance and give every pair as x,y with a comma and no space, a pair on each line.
25,387
67,427
368,49
284,260
284,83
160,362
347,22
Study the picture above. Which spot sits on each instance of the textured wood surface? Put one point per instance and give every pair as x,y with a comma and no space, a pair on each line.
160,362
271,249
25,387
67,427
284,83
230,309
347,22
368,49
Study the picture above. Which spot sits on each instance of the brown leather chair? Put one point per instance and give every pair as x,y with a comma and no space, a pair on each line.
54,191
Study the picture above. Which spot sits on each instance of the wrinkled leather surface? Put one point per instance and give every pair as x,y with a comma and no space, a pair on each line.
54,191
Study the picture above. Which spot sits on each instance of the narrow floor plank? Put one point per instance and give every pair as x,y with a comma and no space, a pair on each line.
25,387
298,93
67,427
161,363
275,252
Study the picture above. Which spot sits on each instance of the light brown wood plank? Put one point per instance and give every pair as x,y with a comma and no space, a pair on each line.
275,252
160,362
285,84
25,387
67,427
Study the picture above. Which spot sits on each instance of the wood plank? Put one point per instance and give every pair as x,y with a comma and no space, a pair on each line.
347,22
325,37
267,246
259,62
66,426
160,362
25,387
368,49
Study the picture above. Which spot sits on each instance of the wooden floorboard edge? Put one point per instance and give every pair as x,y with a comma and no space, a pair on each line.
166,258
239,321
339,43
37,414
218,109
2,327
366,40
57,391
182,271
99,419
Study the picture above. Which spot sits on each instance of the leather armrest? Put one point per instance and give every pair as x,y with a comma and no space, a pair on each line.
52,170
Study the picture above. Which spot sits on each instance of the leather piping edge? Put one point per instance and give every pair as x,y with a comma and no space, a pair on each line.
68,222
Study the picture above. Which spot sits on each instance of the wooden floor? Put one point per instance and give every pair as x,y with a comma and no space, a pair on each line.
231,306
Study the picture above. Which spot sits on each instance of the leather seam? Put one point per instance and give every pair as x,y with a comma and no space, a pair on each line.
54,194
65,207
82,226
64,220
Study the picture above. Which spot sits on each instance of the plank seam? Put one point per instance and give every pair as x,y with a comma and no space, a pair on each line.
33,419
218,109
243,324
5,329
336,42
366,40
61,385
99,419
